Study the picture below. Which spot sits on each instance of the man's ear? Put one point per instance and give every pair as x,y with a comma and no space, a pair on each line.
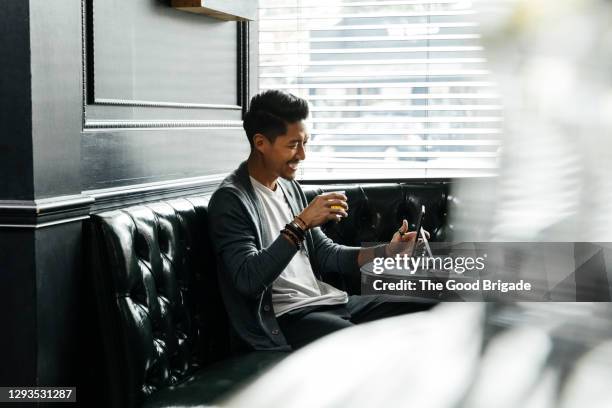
260,142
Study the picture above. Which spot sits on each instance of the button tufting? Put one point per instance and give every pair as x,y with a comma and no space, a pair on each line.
266,308
275,332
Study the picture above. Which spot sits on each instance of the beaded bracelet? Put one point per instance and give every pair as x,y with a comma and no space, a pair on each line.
299,232
296,236
291,237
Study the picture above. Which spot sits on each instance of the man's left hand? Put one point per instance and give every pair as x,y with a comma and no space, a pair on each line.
403,240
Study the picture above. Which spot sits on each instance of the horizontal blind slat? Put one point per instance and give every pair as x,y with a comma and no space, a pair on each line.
406,109
399,154
388,165
387,50
376,62
407,84
349,74
478,143
377,39
267,28
313,4
403,97
307,16
492,119
395,131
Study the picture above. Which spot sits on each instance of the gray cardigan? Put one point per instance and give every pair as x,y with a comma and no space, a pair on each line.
247,270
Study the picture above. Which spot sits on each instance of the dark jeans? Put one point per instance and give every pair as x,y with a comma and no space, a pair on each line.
306,324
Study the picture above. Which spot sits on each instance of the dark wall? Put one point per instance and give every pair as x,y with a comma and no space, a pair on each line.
59,277
56,91
18,308
164,93
147,51
123,157
16,181
102,102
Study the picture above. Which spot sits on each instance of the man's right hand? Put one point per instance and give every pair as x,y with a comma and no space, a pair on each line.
320,210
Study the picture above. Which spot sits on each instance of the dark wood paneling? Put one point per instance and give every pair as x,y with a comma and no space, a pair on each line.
121,158
58,280
17,308
16,182
147,51
38,213
151,74
97,112
55,31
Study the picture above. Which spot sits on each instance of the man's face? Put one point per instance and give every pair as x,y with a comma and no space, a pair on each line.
283,156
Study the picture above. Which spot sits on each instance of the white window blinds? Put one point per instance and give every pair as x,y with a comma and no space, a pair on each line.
397,89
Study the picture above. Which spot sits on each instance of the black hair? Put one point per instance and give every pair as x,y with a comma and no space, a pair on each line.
271,111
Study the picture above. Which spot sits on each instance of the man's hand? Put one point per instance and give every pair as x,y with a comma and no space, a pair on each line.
403,240
324,208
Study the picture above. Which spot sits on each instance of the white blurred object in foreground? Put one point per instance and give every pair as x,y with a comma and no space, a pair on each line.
423,360
552,60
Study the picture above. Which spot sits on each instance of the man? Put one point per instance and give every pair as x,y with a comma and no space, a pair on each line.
272,255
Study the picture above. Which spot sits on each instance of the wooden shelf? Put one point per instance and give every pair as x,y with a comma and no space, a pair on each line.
240,10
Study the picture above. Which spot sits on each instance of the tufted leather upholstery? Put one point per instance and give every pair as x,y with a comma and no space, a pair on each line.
157,295
376,212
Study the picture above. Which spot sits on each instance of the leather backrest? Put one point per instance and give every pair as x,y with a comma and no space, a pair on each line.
376,211
157,295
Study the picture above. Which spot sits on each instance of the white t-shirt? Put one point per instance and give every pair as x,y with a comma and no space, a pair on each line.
296,286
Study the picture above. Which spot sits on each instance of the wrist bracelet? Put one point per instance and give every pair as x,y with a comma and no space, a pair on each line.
293,227
302,221
298,226
294,235
291,237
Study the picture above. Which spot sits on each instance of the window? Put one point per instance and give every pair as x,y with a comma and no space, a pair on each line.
398,89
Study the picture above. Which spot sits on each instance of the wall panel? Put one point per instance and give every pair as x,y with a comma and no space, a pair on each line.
147,51
164,91
123,157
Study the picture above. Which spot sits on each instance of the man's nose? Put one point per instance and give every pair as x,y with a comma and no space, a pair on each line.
301,154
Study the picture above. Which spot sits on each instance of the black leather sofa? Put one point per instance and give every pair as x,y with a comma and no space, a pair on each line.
165,336
164,333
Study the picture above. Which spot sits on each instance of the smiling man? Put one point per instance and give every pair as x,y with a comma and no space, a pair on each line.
272,255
